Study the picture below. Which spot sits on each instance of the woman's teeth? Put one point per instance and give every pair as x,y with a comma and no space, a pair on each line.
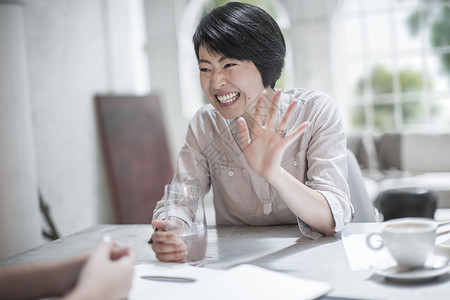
227,98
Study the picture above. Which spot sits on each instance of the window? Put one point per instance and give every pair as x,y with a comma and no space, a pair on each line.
392,63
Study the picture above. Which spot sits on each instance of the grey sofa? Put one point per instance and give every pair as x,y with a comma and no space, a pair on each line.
404,159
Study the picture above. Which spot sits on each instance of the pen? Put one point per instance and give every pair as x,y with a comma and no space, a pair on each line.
168,278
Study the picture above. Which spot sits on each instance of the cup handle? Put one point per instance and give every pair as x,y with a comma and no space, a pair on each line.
369,241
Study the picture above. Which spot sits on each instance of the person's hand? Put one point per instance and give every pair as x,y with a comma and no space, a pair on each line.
106,274
264,147
167,245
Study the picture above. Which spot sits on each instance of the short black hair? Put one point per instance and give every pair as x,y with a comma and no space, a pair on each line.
244,32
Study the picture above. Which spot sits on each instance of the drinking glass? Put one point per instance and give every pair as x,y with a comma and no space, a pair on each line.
185,213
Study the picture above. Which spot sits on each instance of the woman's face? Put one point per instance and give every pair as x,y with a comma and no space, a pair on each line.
230,84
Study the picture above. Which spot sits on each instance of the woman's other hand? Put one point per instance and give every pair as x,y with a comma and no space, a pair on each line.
167,245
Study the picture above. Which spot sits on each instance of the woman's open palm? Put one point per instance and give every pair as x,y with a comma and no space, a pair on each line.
264,142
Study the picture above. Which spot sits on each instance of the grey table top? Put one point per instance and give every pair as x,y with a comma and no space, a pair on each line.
273,247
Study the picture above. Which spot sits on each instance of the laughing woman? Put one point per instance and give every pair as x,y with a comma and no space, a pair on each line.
270,157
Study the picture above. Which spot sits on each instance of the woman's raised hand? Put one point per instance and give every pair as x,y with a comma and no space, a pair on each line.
265,141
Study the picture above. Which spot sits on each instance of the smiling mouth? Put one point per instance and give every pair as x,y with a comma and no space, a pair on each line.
228,98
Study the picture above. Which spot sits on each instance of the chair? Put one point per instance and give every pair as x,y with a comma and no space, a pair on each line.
363,208
137,155
406,202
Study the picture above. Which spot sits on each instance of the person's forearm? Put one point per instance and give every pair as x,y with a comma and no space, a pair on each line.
308,205
39,280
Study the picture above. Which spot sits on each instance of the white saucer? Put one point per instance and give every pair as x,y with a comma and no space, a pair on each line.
443,248
390,270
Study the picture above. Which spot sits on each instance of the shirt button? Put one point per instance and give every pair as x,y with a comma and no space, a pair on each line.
295,163
230,173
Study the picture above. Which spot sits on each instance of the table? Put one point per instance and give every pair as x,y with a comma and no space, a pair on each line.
273,247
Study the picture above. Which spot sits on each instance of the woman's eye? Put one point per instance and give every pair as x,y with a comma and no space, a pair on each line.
229,65
204,69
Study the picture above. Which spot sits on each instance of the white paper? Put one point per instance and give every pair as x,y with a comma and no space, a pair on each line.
359,256
252,282
241,282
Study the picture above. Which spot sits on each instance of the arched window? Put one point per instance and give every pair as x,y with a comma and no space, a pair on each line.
392,63
192,95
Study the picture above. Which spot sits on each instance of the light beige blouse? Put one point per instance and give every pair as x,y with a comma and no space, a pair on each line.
212,156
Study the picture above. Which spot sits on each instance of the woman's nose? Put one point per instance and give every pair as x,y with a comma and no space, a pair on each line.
218,80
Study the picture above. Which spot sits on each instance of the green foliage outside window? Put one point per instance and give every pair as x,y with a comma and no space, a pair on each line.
437,19
375,93
379,88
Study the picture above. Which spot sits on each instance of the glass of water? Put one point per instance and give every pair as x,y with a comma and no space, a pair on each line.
185,213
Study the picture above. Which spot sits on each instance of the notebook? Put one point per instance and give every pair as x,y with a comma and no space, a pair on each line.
242,282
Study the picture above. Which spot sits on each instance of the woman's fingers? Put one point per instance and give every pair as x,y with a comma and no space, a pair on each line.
160,224
296,133
259,111
166,237
168,246
244,133
161,247
170,252
273,112
172,256
259,128
282,126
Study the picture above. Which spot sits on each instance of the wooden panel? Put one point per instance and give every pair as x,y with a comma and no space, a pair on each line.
136,152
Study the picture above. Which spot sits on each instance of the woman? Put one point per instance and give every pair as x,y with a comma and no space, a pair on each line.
270,157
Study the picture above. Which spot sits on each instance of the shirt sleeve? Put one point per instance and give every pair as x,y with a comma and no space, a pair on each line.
327,160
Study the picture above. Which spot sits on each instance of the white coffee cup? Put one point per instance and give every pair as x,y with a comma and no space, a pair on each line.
409,240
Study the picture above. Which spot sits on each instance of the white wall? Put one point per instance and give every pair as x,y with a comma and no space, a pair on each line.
19,211
74,49
163,21
310,36
67,67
